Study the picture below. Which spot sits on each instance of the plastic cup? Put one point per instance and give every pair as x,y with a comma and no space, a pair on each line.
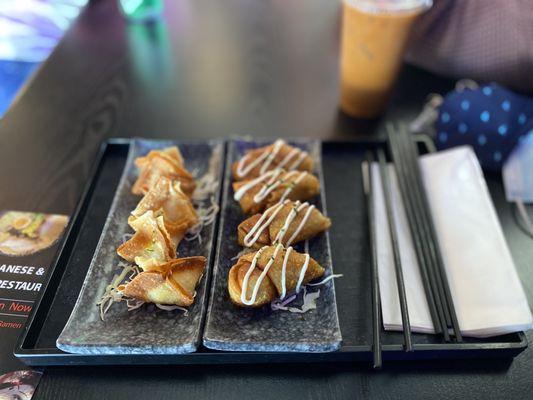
373,40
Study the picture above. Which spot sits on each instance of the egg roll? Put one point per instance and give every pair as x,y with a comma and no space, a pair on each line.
286,223
166,199
172,283
256,195
158,163
276,155
262,275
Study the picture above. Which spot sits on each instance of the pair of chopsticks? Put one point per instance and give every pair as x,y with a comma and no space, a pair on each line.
376,306
405,157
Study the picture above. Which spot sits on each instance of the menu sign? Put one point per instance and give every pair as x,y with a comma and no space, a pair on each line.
27,246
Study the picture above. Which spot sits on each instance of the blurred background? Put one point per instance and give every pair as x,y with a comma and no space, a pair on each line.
29,31
207,65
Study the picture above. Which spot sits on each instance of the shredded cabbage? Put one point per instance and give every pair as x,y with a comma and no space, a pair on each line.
172,308
282,304
206,216
112,294
203,200
308,300
326,279
134,304
126,237
205,187
243,252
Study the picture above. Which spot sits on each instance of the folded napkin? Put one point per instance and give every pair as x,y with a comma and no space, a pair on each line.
488,297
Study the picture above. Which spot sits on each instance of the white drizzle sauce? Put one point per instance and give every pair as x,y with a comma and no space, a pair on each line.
301,156
284,273
292,186
243,171
270,185
302,273
289,157
253,265
268,216
251,237
267,156
261,277
303,270
290,218
275,150
244,188
259,226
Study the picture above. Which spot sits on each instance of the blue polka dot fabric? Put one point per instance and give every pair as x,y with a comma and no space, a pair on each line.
490,118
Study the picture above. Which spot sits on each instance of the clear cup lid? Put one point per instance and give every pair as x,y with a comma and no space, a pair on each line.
390,6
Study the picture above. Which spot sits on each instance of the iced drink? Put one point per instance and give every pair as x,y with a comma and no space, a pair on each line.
374,35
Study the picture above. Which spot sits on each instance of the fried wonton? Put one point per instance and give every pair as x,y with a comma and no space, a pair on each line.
158,163
151,245
286,223
258,194
172,283
273,284
277,155
172,153
167,200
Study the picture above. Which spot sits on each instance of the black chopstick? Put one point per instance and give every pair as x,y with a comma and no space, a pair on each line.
435,304
386,187
422,235
412,156
376,306
429,246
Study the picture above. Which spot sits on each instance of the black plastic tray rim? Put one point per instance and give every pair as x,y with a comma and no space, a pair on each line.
26,351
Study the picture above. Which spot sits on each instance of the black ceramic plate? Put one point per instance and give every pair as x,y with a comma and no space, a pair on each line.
147,330
232,328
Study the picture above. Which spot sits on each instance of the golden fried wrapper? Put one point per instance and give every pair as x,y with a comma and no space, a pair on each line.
265,294
172,154
277,155
296,262
244,228
258,194
151,245
166,199
172,283
158,163
286,223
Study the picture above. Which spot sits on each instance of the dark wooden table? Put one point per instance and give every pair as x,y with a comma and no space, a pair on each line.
213,69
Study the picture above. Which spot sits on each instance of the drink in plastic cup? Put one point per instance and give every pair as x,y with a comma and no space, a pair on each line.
374,36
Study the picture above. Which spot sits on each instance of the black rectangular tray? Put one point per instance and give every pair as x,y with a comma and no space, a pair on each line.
350,247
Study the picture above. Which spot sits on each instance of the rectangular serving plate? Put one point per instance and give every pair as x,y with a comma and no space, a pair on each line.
232,328
350,253
147,330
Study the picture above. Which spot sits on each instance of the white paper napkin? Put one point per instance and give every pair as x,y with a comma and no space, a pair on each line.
488,297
